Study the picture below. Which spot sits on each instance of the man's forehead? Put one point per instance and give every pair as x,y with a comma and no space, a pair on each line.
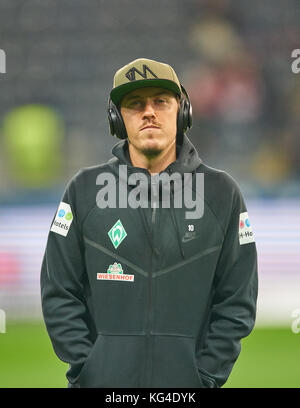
147,91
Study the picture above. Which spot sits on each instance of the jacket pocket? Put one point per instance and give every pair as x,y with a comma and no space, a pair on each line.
114,361
208,381
174,362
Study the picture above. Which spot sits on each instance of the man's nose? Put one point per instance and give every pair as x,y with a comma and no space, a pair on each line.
149,110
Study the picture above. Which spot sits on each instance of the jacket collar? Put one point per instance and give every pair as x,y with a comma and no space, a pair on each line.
186,162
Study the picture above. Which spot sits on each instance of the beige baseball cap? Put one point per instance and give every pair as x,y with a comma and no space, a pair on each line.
142,73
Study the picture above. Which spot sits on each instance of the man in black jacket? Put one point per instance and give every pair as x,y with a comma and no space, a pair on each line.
137,289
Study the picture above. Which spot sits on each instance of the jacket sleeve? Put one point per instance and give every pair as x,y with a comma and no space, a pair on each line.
64,294
233,308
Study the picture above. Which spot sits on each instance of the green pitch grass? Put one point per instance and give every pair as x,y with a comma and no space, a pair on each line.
269,358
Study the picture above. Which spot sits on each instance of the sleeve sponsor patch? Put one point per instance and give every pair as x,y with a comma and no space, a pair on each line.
245,230
63,219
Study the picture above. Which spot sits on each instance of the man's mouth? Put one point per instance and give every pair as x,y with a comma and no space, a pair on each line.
150,127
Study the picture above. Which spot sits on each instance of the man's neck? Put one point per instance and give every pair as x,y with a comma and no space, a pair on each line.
152,164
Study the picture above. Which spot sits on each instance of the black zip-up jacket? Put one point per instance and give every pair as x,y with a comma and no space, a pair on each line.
169,305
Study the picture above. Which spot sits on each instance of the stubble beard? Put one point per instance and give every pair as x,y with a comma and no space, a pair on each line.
148,152
151,153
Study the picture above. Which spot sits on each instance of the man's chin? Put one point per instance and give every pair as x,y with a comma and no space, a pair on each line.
151,148
151,151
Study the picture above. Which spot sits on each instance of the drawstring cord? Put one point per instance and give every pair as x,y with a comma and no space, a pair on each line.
173,216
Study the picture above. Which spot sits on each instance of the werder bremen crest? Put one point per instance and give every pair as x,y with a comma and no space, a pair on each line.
117,233
115,268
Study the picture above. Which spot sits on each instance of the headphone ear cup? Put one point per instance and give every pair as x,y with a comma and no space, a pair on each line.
184,116
116,123
111,121
180,119
188,115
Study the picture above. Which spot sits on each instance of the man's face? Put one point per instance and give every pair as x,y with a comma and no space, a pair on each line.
150,116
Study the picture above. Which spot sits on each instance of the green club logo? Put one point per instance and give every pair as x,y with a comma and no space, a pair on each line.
117,233
115,268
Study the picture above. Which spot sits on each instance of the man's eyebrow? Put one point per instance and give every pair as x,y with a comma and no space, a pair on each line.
129,98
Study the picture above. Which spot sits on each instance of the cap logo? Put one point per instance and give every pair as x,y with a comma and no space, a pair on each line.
131,73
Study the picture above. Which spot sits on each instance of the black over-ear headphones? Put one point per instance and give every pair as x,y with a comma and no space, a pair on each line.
184,117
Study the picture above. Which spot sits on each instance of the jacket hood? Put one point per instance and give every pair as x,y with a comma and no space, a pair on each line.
187,158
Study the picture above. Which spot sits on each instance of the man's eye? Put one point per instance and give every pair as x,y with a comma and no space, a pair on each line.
135,104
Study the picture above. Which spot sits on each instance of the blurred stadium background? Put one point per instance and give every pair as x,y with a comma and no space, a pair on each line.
234,59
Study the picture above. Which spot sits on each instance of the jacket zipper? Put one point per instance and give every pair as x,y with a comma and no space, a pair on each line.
149,342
